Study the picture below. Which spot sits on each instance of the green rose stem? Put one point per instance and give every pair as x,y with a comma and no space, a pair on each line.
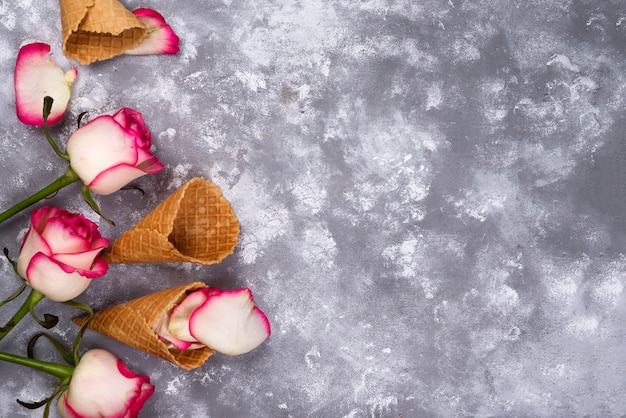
28,306
67,178
64,373
47,107
58,370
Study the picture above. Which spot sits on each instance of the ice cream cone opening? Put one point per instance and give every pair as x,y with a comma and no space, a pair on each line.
132,323
202,225
95,30
80,44
194,224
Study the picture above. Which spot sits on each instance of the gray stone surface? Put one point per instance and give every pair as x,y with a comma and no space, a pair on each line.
431,194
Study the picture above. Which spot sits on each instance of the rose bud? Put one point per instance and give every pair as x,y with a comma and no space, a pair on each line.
227,321
60,253
102,386
110,151
36,76
160,38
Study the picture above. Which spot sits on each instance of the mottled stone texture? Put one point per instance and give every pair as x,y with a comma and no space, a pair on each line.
432,198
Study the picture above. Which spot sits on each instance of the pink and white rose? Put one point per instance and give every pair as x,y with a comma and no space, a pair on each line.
36,76
60,253
160,37
111,151
103,387
227,321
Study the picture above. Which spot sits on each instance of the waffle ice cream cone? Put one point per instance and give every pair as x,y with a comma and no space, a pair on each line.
131,323
195,224
95,30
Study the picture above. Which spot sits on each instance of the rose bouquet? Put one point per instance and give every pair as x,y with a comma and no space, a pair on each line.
59,256
62,252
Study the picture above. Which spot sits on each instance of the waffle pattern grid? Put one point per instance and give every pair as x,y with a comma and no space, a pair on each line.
131,324
98,29
195,224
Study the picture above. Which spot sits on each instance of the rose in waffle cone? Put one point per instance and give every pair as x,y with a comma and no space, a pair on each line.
95,30
131,323
195,224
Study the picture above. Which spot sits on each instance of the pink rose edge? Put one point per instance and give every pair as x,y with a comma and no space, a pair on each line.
230,322
36,76
160,38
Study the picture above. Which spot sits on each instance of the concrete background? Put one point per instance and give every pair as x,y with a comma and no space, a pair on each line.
431,195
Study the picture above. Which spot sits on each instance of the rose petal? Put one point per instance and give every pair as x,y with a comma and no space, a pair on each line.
142,392
80,261
148,162
62,238
36,76
178,324
132,121
230,323
99,242
39,217
102,386
90,154
114,178
64,408
160,38
33,243
55,280
98,269
176,343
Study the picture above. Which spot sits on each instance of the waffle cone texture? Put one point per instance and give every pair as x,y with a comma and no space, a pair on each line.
195,224
96,30
131,323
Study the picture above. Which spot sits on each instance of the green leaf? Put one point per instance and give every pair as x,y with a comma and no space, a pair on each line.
14,295
67,356
47,402
86,308
33,405
93,205
49,320
13,263
132,187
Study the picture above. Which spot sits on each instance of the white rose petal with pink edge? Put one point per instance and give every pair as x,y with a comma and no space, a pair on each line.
111,151
56,280
37,76
89,158
160,38
102,386
60,253
178,325
229,322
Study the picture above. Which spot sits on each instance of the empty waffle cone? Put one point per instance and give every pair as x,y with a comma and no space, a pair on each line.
95,30
195,224
131,323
